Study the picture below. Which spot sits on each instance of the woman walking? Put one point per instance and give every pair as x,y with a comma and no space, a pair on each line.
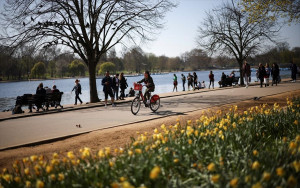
267,76
175,83
211,77
123,86
275,73
261,74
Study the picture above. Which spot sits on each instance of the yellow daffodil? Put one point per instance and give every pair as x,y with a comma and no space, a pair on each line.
266,176
61,177
39,184
255,152
280,171
292,181
296,165
255,165
49,168
215,178
234,182
257,185
211,167
155,172
28,184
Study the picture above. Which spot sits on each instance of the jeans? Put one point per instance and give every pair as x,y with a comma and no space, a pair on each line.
77,97
116,93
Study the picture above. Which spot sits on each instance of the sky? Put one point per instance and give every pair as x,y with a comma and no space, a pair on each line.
180,30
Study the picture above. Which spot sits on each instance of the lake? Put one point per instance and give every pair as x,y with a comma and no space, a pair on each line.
163,84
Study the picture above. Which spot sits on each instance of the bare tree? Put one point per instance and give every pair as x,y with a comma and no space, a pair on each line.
228,29
90,28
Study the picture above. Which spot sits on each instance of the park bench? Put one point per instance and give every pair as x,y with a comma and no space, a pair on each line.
229,81
40,101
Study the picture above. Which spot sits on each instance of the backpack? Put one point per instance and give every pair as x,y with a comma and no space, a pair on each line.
17,110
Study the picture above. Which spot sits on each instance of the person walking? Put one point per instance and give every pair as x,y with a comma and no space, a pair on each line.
195,79
107,84
77,89
116,85
175,83
190,81
293,71
246,73
183,81
123,85
261,74
211,77
267,76
275,73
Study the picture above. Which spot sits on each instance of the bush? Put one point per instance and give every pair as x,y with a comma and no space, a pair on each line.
257,148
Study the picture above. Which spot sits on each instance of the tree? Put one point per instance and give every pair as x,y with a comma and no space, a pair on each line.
261,9
89,28
230,30
52,68
76,68
38,70
135,60
107,66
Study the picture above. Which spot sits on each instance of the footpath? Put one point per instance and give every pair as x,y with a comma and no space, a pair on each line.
41,127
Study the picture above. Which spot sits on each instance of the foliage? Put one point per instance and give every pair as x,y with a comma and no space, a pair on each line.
38,70
107,66
77,68
230,30
259,147
275,9
90,29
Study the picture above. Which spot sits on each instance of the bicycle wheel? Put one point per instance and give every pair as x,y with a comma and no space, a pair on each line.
135,105
154,103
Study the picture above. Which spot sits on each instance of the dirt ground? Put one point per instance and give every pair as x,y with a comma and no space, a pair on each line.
120,136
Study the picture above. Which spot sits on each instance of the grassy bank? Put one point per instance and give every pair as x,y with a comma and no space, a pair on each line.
257,148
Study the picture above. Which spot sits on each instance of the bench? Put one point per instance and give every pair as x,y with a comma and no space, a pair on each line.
40,101
229,81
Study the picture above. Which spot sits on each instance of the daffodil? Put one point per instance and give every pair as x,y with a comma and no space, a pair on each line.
255,165
211,167
39,184
155,172
234,182
280,171
215,178
266,176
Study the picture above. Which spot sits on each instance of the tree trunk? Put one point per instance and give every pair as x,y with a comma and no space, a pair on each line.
93,86
241,73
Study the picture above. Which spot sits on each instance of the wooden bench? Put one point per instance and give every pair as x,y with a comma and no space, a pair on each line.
229,81
40,101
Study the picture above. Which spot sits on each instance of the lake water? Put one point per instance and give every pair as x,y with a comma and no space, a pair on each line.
163,83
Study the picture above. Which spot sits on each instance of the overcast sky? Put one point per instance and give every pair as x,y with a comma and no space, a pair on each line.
180,30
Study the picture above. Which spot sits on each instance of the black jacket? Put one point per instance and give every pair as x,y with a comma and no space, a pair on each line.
149,83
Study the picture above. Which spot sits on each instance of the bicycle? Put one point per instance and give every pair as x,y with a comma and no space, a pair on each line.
136,102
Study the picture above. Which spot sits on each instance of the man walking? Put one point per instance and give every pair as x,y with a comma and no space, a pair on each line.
77,89
107,88
183,81
116,83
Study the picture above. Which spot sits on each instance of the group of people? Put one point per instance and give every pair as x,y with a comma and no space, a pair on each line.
264,73
192,81
41,91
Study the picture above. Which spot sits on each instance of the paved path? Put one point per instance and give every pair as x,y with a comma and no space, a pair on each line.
39,128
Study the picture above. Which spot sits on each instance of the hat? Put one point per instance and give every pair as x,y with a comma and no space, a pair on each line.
77,80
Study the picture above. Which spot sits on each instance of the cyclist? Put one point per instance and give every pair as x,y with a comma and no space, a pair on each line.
149,84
